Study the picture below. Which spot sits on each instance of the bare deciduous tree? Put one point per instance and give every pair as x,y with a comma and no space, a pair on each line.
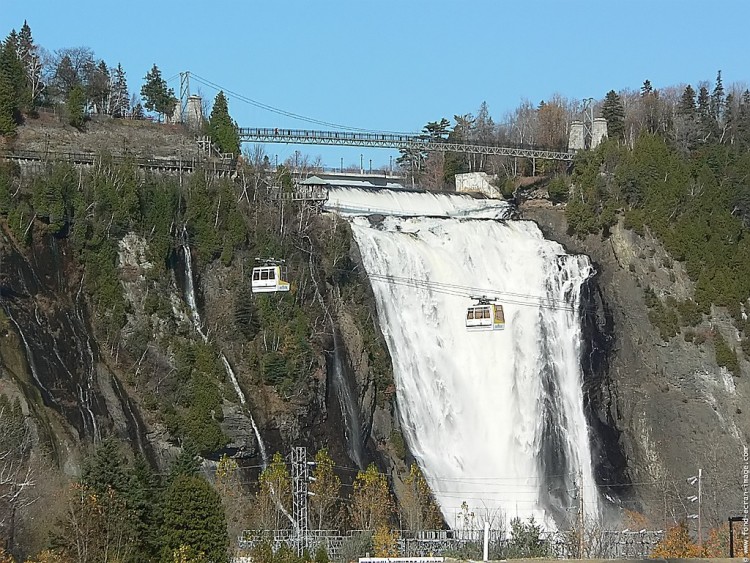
16,470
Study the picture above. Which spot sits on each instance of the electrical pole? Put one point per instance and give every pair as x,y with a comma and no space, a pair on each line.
700,495
300,479
697,480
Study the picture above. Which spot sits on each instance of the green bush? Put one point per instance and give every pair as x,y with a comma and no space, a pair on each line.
558,189
725,356
690,314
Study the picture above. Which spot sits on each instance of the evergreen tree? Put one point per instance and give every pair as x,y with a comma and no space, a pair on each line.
221,128
32,64
706,121
742,126
436,130
12,86
143,499
119,97
187,463
106,468
717,99
76,105
193,517
614,112
8,105
646,89
686,105
156,95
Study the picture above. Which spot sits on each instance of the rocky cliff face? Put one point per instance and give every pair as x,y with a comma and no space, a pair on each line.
80,385
673,409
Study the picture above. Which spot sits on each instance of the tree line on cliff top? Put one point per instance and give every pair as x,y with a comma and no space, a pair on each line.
77,83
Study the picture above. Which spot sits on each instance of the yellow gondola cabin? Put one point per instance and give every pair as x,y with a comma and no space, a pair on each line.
485,315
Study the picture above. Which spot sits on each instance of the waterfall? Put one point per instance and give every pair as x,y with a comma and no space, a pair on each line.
190,291
349,409
196,318
29,357
495,418
243,402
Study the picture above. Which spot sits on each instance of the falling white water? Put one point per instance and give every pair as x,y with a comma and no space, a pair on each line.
495,419
196,318
190,293
29,355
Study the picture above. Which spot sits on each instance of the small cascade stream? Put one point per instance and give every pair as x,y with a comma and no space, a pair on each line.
198,324
349,409
30,358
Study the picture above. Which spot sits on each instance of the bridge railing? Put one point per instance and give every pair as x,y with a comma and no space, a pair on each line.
398,141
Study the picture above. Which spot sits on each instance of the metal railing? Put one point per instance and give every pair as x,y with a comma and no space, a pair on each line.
394,141
89,159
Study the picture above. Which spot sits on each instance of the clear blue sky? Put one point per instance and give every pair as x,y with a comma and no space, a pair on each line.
395,65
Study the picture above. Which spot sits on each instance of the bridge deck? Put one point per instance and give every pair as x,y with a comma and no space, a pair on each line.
390,141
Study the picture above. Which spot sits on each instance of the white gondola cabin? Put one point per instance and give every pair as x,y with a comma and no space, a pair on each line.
269,279
485,315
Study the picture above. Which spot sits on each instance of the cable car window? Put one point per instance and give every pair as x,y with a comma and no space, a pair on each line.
256,275
271,274
264,275
470,314
486,313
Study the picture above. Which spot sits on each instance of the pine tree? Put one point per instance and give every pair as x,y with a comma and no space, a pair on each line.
743,120
119,97
221,128
32,64
156,95
646,89
187,463
76,105
686,106
12,86
614,112
193,517
705,118
8,105
106,468
717,99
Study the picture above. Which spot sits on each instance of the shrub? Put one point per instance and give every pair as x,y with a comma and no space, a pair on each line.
725,356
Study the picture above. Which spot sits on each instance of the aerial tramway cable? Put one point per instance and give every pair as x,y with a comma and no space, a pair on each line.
456,290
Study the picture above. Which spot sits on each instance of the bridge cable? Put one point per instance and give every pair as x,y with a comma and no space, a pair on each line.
285,113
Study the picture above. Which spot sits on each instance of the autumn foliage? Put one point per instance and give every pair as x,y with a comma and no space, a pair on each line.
676,543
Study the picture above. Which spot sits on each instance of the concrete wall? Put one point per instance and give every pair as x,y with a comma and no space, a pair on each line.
476,182
575,138
598,131
194,112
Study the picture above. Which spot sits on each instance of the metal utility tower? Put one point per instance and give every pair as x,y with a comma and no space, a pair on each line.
587,116
300,478
184,91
